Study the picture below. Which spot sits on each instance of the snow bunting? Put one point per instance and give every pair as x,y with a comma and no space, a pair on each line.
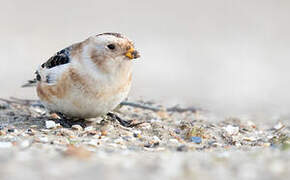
87,79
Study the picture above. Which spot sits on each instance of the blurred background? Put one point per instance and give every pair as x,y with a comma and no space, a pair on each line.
230,57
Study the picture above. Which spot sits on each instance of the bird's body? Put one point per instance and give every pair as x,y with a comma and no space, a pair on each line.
87,79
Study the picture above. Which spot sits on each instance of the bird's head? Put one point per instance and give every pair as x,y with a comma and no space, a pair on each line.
110,51
112,46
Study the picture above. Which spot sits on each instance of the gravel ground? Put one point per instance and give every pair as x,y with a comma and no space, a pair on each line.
166,145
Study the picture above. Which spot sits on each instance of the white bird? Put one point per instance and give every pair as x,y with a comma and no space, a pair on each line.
87,79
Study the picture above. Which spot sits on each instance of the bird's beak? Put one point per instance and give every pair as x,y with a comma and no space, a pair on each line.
132,53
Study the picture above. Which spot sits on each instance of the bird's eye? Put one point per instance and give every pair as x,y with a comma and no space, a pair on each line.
111,46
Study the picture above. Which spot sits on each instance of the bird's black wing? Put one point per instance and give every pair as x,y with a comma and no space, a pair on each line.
60,58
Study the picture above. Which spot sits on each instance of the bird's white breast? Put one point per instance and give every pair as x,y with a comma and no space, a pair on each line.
83,91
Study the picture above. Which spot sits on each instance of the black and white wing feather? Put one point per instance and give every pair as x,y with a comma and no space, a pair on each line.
49,70
60,58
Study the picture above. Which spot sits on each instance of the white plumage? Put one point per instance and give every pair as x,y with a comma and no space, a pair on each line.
87,79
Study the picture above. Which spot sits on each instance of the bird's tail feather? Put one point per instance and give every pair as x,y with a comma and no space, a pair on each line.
30,83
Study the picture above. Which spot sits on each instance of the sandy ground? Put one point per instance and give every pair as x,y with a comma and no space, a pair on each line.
167,145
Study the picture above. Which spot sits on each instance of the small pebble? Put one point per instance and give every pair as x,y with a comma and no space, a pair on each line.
55,116
94,143
216,144
43,139
177,131
155,121
174,141
148,145
137,134
270,136
151,145
250,139
10,113
30,131
92,133
145,126
119,141
38,110
11,130
278,126
231,130
156,139
89,128
238,144
33,126
182,148
58,125
66,132
77,127
267,144
196,139
2,133
3,105
50,124
104,133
